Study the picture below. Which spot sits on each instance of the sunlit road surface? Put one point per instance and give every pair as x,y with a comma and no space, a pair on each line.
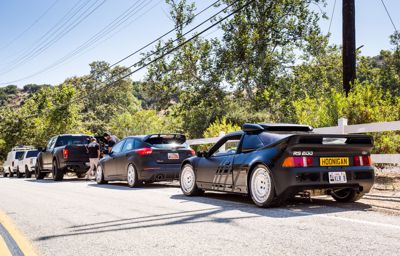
77,217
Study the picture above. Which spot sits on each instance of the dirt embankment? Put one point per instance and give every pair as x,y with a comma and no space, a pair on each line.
387,179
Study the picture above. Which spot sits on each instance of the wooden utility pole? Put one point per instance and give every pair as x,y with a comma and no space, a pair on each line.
349,44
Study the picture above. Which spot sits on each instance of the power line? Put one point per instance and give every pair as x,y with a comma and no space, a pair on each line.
65,18
390,17
152,42
120,20
30,26
333,13
60,34
112,83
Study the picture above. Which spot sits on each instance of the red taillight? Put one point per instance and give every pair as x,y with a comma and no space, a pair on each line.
65,153
298,161
362,161
192,152
144,151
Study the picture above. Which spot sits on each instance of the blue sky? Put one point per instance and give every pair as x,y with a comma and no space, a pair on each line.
149,20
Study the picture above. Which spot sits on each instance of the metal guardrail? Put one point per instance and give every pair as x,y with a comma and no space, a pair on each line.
342,128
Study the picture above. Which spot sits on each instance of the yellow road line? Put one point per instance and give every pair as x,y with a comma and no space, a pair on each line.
4,251
23,243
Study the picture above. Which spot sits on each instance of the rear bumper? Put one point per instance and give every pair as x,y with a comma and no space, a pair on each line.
159,173
294,180
71,166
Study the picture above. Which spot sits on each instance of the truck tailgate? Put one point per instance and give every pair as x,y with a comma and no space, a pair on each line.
76,153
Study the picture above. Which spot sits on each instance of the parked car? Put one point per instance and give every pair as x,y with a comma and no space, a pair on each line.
273,162
148,158
27,162
11,163
63,153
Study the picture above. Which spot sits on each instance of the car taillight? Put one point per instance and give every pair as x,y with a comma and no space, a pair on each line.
192,152
298,161
144,151
65,153
362,161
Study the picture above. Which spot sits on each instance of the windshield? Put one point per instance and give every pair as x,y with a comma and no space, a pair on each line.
32,153
19,154
72,140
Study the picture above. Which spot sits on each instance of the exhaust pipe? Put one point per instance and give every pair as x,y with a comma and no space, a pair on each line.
159,177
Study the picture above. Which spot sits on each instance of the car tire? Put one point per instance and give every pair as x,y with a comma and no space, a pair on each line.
11,174
28,174
188,181
261,186
39,175
5,174
347,195
132,176
19,174
58,174
100,175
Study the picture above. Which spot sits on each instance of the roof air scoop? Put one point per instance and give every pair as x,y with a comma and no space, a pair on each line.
252,127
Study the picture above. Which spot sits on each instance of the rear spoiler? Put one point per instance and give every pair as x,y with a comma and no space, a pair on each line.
332,139
179,138
279,127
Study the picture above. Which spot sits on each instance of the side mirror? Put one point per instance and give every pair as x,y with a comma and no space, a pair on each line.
40,149
202,153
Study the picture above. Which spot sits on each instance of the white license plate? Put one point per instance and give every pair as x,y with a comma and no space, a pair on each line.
337,177
173,156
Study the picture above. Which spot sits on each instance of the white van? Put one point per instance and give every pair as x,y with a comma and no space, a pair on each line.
11,163
27,163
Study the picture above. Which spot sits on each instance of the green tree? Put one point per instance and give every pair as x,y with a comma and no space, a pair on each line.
220,125
139,123
259,44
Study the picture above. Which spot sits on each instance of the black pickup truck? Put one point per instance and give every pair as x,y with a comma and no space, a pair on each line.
64,153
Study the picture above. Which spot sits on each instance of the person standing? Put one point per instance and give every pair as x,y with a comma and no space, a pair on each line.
111,140
94,156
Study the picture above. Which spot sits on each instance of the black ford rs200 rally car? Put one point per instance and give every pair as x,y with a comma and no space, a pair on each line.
273,162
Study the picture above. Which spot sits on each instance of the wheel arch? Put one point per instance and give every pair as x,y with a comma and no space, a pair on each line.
188,161
251,169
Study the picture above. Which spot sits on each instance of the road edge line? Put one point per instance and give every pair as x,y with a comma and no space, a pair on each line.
23,243
4,250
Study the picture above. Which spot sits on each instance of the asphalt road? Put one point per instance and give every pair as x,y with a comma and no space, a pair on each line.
76,217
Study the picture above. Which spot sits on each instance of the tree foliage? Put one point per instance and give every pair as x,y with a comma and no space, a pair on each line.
269,63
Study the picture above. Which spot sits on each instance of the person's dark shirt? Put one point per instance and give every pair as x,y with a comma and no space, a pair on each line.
113,140
93,148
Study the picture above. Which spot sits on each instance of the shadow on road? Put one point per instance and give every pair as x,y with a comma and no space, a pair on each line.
124,186
50,181
215,205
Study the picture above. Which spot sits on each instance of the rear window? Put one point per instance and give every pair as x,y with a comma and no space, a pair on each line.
251,142
32,153
19,154
269,138
167,141
169,145
72,140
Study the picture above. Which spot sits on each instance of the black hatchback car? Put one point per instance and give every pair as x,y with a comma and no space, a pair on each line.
272,162
149,158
